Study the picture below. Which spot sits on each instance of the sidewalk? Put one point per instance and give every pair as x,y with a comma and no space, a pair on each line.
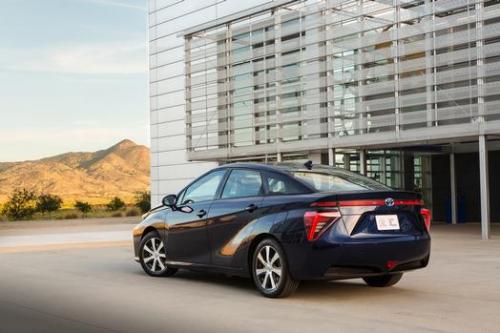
47,235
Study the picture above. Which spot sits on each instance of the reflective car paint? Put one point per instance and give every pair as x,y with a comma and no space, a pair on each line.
223,239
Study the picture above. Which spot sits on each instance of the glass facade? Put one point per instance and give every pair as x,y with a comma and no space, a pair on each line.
338,73
382,87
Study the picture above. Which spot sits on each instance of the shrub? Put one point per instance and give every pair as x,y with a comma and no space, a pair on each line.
143,201
115,204
133,212
83,207
21,204
117,214
70,216
47,203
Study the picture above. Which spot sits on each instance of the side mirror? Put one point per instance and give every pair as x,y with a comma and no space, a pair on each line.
170,200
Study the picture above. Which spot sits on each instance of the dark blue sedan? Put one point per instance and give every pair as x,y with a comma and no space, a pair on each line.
283,223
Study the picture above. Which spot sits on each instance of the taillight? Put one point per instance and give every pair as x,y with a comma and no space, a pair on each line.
317,222
426,214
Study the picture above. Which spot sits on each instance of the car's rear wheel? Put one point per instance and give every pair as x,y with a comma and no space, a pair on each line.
270,270
383,280
152,256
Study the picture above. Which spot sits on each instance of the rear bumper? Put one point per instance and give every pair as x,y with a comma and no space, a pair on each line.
359,258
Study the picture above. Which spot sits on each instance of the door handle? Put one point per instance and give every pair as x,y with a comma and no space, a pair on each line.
250,208
201,213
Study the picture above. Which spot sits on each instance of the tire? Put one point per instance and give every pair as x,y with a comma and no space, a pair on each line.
383,280
152,256
270,270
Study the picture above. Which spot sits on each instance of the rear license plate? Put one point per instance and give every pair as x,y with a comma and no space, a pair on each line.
387,222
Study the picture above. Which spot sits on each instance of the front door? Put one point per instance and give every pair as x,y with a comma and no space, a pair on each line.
186,237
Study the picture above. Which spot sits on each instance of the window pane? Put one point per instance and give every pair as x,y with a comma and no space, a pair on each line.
279,185
205,188
328,183
243,183
338,182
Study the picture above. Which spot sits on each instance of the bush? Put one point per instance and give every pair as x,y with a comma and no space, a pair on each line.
143,201
21,204
115,204
117,214
83,207
70,216
133,212
47,203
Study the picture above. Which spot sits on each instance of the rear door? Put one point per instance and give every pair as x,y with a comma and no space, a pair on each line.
187,238
239,204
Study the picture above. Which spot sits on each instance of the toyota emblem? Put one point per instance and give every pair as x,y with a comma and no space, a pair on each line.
389,202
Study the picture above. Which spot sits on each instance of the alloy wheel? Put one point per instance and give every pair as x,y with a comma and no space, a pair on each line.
153,254
268,268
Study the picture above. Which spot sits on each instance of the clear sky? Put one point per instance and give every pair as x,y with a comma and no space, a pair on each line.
73,76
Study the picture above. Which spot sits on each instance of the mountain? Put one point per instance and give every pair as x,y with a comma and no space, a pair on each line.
120,170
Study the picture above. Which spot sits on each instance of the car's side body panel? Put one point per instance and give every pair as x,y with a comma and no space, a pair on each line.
154,220
184,228
226,218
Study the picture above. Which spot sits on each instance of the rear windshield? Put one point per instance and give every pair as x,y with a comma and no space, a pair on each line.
336,181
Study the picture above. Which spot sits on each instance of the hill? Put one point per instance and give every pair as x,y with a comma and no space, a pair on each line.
120,170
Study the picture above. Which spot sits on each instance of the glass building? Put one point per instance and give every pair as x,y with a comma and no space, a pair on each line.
406,92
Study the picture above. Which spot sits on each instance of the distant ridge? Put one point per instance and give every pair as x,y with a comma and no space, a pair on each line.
120,170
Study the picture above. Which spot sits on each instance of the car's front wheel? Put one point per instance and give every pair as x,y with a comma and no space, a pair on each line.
152,256
383,280
270,270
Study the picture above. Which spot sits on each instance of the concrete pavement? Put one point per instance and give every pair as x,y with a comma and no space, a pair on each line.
101,289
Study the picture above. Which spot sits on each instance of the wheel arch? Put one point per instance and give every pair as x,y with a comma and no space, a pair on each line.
148,230
253,245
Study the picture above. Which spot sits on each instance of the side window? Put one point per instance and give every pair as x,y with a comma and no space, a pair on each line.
243,183
280,185
205,188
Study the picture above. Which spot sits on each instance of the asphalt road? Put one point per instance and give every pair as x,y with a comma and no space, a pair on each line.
91,285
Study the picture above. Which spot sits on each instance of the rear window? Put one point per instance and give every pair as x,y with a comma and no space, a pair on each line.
338,182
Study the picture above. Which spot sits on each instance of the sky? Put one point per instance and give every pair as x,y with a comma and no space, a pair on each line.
73,76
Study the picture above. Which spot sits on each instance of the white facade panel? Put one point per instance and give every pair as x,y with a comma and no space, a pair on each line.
189,171
167,18
173,157
172,128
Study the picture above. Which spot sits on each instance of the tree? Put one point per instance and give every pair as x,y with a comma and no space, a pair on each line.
83,207
21,204
47,203
115,204
143,201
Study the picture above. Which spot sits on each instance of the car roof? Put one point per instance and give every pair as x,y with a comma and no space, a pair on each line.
283,167
287,168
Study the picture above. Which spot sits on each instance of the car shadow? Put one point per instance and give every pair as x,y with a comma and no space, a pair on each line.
346,290
215,278
308,290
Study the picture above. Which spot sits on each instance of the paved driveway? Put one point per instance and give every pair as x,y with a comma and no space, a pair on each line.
91,284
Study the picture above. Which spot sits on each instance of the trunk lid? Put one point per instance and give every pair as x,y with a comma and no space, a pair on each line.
376,213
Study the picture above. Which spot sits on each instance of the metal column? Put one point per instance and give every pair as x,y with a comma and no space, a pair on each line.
484,186
453,185
331,157
362,162
347,161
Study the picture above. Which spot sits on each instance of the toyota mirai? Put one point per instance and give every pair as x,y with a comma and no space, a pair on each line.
283,223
